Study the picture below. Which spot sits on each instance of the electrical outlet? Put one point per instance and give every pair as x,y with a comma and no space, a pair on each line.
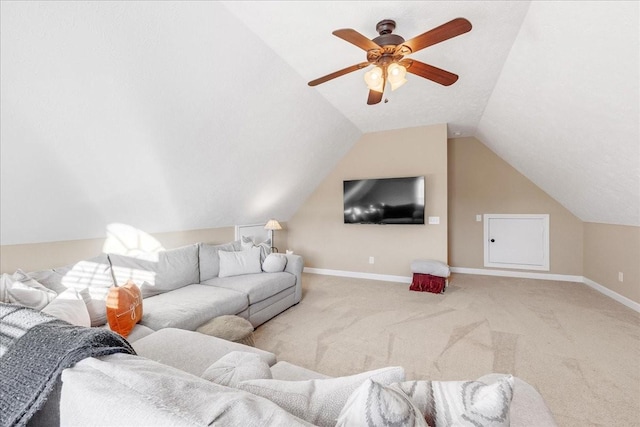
434,220
371,260
620,276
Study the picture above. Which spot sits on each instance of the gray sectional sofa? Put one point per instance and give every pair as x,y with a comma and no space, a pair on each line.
181,287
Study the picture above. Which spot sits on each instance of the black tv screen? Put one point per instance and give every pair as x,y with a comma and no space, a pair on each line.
384,201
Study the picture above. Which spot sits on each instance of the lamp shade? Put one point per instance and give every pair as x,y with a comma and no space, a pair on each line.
272,224
374,79
396,74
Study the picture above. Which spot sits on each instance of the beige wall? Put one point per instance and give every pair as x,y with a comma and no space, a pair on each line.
609,249
317,230
480,182
39,256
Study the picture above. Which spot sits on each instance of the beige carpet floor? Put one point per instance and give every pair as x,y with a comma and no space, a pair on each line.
579,348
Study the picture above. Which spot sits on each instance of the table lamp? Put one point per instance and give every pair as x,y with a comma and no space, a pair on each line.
273,225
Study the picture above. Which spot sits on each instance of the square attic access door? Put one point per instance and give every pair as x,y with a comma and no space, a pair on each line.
516,241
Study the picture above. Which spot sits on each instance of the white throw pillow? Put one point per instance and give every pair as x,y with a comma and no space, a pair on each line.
235,367
23,290
461,403
318,401
70,306
373,405
274,263
241,262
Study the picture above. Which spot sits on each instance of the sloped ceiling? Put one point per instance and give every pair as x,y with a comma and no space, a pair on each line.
164,116
183,115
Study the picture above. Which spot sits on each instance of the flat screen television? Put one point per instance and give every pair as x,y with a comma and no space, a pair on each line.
384,201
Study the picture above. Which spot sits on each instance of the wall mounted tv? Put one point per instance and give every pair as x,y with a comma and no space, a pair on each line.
384,201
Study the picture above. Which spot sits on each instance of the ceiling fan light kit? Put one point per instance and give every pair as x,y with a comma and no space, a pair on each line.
387,55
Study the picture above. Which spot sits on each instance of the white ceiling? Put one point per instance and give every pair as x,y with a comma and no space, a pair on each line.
300,33
185,115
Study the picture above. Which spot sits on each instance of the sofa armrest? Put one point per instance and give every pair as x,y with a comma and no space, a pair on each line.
295,264
528,408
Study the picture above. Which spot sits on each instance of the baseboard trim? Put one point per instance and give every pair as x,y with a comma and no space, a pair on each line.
502,273
358,275
611,294
520,274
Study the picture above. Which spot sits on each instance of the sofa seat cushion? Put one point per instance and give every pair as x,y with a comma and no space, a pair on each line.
139,331
191,306
259,286
134,391
189,351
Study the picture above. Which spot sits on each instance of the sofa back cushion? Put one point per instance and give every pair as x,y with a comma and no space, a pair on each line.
210,259
169,270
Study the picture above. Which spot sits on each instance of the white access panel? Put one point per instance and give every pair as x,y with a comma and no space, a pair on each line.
516,241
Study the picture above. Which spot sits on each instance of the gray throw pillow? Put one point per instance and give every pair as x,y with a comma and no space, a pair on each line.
274,263
265,247
461,403
210,260
376,405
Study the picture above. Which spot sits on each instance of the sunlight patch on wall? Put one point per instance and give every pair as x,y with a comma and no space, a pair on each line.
127,240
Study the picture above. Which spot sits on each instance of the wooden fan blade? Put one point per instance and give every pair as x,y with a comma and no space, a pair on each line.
439,34
339,73
374,96
355,38
430,72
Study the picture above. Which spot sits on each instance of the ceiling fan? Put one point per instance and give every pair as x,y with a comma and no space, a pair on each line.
387,53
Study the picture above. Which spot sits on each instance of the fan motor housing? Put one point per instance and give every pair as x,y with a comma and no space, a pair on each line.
385,28
388,40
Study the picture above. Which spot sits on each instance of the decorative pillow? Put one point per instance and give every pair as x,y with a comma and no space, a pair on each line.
20,289
235,367
318,401
124,308
93,274
241,262
265,247
375,405
71,307
461,403
209,260
274,263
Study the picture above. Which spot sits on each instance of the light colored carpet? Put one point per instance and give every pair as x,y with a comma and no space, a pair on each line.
580,349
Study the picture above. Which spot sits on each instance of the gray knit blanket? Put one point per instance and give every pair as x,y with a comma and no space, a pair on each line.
34,349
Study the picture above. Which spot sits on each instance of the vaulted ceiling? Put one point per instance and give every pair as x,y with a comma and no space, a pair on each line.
184,115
